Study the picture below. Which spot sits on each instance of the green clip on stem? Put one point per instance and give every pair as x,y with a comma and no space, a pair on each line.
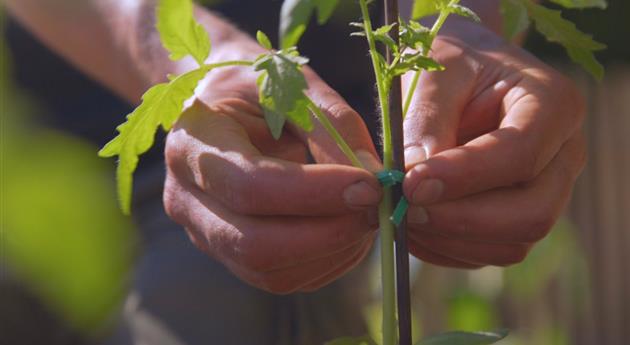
389,178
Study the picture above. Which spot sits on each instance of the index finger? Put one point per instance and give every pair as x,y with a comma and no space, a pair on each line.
213,152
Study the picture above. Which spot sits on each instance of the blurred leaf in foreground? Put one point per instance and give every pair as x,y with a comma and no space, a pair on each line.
62,234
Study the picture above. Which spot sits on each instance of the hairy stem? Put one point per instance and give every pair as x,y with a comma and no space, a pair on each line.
334,134
385,208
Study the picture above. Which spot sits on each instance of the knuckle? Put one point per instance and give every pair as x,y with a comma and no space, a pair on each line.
236,190
178,157
251,255
174,150
531,163
171,198
344,116
448,50
452,52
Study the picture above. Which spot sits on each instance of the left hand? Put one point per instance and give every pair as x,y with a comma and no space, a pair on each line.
493,146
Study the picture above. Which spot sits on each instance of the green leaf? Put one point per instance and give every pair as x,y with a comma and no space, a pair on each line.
425,8
352,341
325,10
78,269
161,106
515,18
263,40
415,62
464,12
465,338
275,121
294,17
296,14
578,45
382,35
281,90
414,35
581,3
180,34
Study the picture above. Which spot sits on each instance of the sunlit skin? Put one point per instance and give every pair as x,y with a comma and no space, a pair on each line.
498,129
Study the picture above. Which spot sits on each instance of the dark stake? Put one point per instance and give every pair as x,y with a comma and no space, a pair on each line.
402,253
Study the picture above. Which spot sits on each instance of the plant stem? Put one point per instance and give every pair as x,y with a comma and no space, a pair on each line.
381,84
385,207
229,63
435,29
411,91
334,134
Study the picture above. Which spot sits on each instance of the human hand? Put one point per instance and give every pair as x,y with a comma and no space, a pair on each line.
493,146
253,203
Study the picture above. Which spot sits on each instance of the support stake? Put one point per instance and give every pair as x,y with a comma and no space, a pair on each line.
402,252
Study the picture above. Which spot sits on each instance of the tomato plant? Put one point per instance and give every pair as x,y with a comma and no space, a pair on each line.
281,85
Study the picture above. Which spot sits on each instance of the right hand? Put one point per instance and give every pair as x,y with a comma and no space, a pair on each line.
254,203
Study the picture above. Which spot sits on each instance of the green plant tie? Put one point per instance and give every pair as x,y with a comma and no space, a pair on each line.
389,178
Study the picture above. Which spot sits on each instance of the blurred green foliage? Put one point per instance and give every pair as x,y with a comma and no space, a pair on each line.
467,311
559,255
523,298
62,234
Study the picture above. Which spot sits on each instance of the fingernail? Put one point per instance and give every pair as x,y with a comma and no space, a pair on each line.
369,161
415,155
417,215
427,191
360,195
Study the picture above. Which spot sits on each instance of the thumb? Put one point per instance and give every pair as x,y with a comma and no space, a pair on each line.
345,120
433,118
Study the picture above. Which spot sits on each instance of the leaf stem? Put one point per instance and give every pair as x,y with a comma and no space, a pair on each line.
435,29
385,208
411,91
328,126
228,63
